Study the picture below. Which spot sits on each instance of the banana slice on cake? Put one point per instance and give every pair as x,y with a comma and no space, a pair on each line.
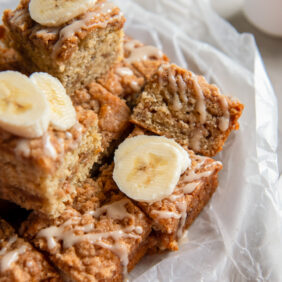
57,12
24,110
63,115
148,168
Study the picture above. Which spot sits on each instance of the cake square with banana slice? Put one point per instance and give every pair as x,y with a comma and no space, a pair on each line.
180,105
46,144
75,41
128,78
100,239
19,261
171,213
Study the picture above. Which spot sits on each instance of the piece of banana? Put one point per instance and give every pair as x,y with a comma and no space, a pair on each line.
63,114
24,110
57,12
148,168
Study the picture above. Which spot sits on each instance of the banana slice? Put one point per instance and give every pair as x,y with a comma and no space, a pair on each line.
144,139
57,12
148,168
63,115
24,110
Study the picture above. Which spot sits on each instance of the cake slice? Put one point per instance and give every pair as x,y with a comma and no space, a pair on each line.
19,261
76,51
40,173
100,239
172,215
180,105
113,116
128,78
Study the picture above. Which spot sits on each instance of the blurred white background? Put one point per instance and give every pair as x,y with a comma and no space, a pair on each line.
269,46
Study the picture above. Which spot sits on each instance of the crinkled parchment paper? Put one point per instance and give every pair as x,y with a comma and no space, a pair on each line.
238,236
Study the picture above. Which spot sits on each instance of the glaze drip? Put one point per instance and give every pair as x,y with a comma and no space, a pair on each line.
141,53
12,256
225,119
67,233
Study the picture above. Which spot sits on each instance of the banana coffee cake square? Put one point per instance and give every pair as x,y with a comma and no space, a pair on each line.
178,104
75,43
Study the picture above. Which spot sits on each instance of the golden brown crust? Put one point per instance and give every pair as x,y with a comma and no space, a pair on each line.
39,173
148,66
43,37
181,205
113,114
30,265
90,261
128,78
180,105
62,142
76,52
123,80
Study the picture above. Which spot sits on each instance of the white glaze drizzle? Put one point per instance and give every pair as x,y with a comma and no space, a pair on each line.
142,53
12,240
174,197
107,8
187,185
123,71
225,119
61,142
68,135
12,256
77,25
49,30
184,238
131,45
190,187
135,86
176,103
166,214
182,206
172,81
182,89
48,147
192,176
200,106
195,141
78,127
23,148
116,210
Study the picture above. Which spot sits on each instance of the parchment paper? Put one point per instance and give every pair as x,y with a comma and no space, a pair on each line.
238,236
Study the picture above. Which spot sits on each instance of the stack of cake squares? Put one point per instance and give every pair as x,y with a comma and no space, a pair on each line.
81,226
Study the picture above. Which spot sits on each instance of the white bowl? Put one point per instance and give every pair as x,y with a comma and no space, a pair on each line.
266,15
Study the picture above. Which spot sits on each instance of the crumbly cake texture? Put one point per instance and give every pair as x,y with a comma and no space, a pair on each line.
128,78
19,261
76,52
113,115
173,215
100,240
9,57
180,105
40,174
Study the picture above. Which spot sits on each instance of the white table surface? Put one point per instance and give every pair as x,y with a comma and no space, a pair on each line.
270,49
